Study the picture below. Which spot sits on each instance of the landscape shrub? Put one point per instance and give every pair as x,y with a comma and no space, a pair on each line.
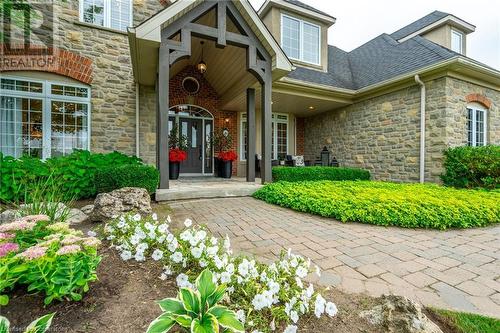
46,257
388,204
297,174
74,172
469,167
265,297
133,175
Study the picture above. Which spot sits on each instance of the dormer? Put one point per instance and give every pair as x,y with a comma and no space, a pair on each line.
301,30
441,28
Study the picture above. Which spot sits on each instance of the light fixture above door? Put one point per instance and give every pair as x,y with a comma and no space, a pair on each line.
202,66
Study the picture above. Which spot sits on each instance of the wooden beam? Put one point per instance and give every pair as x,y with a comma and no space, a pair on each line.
251,135
162,118
221,24
266,115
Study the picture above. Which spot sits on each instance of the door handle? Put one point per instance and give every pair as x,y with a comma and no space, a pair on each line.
201,152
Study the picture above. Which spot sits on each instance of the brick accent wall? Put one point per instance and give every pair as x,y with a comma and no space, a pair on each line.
299,136
52,60
206,98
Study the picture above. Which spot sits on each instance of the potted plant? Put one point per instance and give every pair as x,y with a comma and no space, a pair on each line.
226,159
177,143
222,142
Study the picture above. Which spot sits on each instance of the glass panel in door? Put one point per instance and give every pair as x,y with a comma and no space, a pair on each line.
208,147
68,127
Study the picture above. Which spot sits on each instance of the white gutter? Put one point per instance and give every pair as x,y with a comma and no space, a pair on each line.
137,119
422,128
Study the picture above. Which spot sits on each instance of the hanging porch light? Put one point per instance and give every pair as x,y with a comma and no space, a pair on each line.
202,66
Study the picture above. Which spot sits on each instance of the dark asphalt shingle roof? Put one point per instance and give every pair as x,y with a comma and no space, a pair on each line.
419,24
305,6
380,59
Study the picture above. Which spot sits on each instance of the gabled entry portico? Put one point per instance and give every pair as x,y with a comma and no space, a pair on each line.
177,27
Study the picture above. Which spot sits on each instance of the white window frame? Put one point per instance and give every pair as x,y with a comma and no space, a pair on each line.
461,35
107,15
301,39
47,97
274,135
475,108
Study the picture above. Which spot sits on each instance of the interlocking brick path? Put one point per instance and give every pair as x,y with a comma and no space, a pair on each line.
455,269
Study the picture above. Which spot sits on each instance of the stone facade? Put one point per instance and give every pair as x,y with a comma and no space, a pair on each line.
382,134
110,76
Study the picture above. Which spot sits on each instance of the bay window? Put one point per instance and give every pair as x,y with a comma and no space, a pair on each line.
476,126
114,14
300,39
43,118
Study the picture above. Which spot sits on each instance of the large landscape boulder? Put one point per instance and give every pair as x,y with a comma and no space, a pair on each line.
9,215
400,314
113,204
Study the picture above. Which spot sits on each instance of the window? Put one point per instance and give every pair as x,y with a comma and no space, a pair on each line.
457,41
43,119
114,14
279,136
476,126
300,40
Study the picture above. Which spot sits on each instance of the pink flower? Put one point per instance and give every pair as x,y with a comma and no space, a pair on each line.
71,239
35,218
8,247
33,252
19,225
5,236
69,249
91,241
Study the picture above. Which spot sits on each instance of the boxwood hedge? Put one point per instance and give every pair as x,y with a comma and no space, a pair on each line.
470,167
112,178
297,174
388,204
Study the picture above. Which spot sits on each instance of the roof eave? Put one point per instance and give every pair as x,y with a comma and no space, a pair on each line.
330,20
449,19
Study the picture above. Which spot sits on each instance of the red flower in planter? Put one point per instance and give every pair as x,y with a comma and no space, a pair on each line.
177,155
227,156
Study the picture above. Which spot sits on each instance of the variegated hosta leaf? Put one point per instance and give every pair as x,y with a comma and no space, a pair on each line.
183,320
208,324
162,324
172,305
205,285
190,299
40,325
227,318
217,295
4,325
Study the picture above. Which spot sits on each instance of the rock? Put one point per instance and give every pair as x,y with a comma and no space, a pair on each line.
88,209
113,204
9,215
400,314
76,216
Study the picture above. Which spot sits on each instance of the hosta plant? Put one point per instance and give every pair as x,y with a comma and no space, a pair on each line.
197,310
40,325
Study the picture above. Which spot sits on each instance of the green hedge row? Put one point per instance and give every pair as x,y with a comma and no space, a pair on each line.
297,174
74,173
388,204
111,178
469,167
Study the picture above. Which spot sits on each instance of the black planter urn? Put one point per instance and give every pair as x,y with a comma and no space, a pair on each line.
225,169
173,170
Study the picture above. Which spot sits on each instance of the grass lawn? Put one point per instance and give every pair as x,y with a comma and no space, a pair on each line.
466,322
388,204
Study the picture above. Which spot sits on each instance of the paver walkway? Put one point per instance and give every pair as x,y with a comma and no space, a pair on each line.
456,269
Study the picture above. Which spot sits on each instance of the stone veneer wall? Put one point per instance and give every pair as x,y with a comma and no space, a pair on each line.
113,88
382,134
206,98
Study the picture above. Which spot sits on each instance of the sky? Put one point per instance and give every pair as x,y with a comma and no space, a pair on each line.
358,21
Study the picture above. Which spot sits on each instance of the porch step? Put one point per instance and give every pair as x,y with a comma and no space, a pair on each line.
183,190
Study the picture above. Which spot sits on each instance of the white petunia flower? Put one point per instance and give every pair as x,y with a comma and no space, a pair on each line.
157,254
203,263
91,233
331,309
188,223
319,306
212,250
230,269
318,271
163,228
301,272
142,247
136,217
299,282
126,255
227,243
170,238
293,262
167,270
310,291
240,315
290,329
274,287
173,245
154,217
213,240
196,252
176,257
111,237
225,277
294,316
139,256
169,219
183,281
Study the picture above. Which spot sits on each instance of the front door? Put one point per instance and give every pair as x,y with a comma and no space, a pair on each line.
193,129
